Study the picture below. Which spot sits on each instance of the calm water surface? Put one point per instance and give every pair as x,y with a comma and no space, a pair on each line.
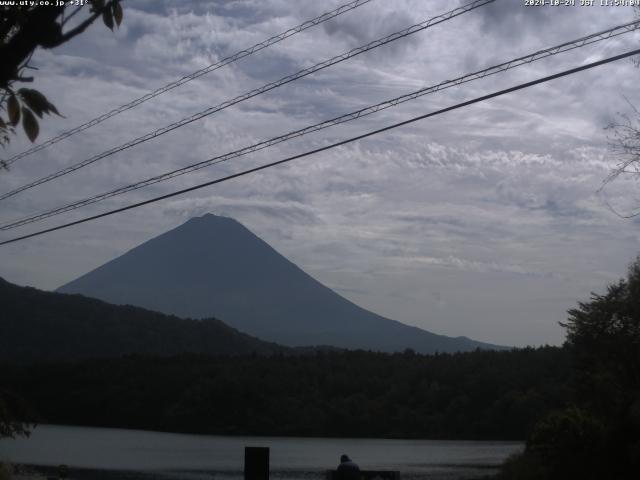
207,456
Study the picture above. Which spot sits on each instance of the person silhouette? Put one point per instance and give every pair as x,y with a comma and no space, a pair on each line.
347,470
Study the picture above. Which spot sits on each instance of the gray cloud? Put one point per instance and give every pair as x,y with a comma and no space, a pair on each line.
482,222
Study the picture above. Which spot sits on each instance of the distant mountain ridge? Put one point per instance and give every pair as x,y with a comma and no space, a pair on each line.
38,326
213,266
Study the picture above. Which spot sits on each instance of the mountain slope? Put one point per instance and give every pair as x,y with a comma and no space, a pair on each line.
214,266
45,326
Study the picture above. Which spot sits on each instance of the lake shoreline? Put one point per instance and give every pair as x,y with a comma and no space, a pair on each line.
113,454
33,472
178,431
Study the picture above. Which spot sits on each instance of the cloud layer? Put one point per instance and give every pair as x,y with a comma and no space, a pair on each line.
485,221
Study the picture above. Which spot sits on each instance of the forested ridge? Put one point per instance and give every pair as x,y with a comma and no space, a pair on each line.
44,326
474,395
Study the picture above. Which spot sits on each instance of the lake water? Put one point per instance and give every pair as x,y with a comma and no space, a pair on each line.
209,456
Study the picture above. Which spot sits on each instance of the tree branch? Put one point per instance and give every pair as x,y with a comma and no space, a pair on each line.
83,26
40,28
71,15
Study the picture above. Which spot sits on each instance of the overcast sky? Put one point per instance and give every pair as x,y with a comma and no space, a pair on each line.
484,222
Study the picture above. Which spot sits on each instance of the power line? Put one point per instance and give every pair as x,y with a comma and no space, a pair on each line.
564,47
258,91
333,145
199,73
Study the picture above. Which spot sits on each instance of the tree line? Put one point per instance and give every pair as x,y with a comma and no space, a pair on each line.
474,395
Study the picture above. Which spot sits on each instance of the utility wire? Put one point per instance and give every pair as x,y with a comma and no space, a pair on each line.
564,47
333,145
199,73
258,91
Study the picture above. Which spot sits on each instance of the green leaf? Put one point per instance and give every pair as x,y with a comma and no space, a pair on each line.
117,12
53,109
13,109
30,124
35,100
107,18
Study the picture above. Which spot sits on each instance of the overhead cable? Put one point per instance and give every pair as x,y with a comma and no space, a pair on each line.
540,54
192,76
328,147
258,91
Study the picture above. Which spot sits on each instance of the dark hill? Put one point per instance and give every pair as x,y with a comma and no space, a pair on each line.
45,326
214,266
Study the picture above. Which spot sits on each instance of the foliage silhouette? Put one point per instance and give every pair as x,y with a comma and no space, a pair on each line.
24,27
474,395
598,436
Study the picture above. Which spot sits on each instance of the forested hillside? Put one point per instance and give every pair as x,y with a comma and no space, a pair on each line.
475,395
43,326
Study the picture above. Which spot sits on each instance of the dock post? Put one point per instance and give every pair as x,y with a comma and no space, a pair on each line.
256,463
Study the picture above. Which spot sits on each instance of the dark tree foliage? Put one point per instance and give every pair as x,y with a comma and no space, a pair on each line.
12,407
605,337
45,326
24,28
476,395
598,437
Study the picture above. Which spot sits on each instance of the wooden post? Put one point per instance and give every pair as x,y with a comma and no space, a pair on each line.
256,463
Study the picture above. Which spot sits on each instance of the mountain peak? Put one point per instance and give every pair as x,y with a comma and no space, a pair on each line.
210,219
